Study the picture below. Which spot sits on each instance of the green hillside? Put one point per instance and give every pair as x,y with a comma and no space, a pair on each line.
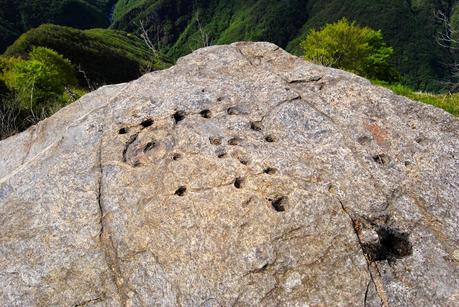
18,16
408,26
181,26
106,56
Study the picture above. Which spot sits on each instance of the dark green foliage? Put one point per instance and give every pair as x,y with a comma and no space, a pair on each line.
105,56
224,21
410,27
18,16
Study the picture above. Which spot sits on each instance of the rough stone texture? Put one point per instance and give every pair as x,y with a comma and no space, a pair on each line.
241,176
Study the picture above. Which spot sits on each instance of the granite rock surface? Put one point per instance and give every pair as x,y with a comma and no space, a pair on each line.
242,176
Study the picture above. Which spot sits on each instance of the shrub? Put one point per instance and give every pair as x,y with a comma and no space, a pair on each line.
347,46
40,81
34,88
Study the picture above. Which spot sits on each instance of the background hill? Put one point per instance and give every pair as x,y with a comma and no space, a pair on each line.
18,16
179,26
409,26
105,56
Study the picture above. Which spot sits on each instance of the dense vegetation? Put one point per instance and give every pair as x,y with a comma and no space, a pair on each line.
34,87
18,16
180,26
36,81
347,46
101,56
410,27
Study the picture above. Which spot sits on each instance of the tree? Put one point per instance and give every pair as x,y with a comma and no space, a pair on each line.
40,81
448,38
347,46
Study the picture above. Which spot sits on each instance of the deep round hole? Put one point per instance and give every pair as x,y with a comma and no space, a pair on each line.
279,203
238,182
270,139
123,131
206,113
180,191
147,123
179,116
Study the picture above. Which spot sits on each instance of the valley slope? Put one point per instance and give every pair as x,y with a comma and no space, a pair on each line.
409,26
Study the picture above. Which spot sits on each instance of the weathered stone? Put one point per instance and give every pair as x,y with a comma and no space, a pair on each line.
241,176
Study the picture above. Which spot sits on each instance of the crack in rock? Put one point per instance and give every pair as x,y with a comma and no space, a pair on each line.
373,270
106,241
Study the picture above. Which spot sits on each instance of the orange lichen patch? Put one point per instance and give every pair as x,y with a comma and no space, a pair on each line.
379,134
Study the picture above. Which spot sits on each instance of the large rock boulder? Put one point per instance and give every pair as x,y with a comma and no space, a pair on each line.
241,176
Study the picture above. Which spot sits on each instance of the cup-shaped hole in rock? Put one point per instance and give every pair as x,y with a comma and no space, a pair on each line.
392,245
270,139
238,182
244,161
147,123
206,113
180,191
179,116
362,140
279,203
176,156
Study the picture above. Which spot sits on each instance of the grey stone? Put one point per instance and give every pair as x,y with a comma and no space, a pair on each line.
241,176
